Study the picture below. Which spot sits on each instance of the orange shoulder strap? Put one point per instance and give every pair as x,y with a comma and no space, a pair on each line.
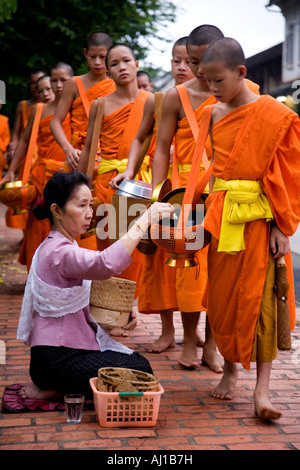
187,107
190,115
32,142
82,93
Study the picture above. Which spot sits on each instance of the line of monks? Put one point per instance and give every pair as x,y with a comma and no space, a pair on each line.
64,139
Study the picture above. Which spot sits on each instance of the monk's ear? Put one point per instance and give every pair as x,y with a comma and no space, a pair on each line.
56,211
85,52
241,71
137,64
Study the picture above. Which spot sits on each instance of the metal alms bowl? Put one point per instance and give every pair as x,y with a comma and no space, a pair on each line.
135,188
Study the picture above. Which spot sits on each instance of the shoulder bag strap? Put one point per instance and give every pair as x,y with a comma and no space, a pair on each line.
95,137
189,195
143,150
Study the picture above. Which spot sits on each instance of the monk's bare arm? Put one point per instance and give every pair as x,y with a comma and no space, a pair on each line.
63,108
167,129
145,128
15,133
20,150
84,156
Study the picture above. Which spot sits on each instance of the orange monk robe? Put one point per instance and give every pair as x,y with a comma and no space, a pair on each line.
4,140
51,159
163,287
266,134
79,124
19,221
118,130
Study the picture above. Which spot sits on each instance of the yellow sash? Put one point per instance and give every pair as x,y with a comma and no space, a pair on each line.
185,168
121,165
245,201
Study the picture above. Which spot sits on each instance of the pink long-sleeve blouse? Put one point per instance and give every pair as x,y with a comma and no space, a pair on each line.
64,264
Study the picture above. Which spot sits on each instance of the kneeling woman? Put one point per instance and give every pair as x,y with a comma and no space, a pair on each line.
67,345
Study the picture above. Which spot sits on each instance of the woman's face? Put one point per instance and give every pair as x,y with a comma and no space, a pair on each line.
76,216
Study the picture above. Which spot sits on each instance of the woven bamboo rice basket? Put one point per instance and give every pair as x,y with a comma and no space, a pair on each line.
115,379
111,301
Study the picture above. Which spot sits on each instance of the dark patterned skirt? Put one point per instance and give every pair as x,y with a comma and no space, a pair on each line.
68,370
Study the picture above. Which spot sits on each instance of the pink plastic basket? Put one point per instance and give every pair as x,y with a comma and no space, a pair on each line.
116,409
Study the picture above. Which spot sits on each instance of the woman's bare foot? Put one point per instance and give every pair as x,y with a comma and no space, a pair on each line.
212,359
263,407
118,331
225,389
30,390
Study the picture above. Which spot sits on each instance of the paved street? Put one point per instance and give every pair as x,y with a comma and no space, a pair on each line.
189,419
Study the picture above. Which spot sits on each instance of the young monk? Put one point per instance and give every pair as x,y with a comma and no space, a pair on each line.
77,97
151,267
256,161
123,111
23,111
50,156
144,81
95,83
166,289
181,73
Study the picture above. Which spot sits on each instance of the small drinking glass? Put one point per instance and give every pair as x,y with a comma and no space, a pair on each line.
73,407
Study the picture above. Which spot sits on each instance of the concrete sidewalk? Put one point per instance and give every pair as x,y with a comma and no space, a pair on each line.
189,419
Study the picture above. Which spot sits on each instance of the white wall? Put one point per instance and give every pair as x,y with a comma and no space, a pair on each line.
295,242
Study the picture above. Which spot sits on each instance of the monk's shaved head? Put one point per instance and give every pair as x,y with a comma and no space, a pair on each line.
63,66
226,50
98,38
204,35
180,42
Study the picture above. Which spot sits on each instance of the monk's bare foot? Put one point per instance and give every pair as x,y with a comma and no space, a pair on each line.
30,390
200,340
189,358
212,359
164,342
225,389
263,407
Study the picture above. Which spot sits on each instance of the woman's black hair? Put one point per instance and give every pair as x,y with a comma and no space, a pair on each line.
59,190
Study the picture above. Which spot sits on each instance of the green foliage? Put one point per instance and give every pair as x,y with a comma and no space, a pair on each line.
35,34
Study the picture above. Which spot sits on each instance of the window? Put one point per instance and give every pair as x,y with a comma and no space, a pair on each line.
289,45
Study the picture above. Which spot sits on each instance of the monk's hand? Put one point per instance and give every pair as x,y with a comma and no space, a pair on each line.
9,152
72,158
279,243
10,176
125,175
